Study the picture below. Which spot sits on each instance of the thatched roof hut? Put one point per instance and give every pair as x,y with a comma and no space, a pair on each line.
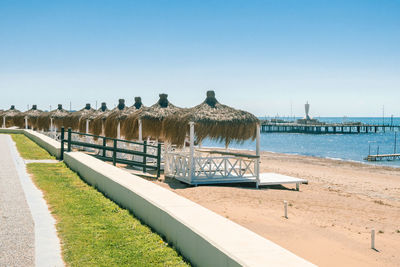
152,117
115,117
58,115
9,116
72,120
129,128
212,120
91,116
32,116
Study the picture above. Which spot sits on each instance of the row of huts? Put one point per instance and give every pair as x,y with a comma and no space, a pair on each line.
161,121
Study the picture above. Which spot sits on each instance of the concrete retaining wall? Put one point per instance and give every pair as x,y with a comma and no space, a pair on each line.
51,145
200,235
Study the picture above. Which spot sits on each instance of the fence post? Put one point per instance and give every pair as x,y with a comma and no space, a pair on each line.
144,156
115,152
158,160
69,139
104,146
62,144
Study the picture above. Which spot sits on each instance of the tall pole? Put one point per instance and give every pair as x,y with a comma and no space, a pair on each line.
395,141
383,115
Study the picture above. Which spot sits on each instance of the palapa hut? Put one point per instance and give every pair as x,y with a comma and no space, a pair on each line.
219,122
7,117
28,119
130,129
211,120
114,119
72,120
88,117
151,119
53,119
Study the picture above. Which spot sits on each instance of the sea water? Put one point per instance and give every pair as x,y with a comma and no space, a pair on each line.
350,147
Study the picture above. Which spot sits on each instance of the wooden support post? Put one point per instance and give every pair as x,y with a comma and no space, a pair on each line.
144,157
69,139
119,131
104,146
62,144
258,155
140,130
297,187
158,160
115,152
51,125
26,122
87,126
191,155
4,121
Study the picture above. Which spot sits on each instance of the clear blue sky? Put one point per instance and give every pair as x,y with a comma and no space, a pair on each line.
341,56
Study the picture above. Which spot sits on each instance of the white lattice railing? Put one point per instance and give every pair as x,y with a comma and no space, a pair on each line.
208,168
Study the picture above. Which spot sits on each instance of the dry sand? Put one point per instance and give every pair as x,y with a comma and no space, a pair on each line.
330,219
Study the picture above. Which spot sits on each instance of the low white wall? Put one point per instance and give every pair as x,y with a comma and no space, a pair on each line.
200,235
51,145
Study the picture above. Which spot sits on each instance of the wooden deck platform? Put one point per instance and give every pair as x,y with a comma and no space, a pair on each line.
278,179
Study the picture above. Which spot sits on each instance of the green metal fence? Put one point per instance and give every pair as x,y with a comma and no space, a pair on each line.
104,147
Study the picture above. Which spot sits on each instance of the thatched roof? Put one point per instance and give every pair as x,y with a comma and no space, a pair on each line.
58,115
117,115
72,120
212,120
32,115
91,116
129,127
10,115
152,118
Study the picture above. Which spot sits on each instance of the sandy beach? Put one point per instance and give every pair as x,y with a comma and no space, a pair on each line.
329,220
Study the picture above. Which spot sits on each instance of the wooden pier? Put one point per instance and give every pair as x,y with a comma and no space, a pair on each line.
268,127
388,157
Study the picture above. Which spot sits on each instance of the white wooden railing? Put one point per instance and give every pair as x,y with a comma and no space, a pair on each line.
207,168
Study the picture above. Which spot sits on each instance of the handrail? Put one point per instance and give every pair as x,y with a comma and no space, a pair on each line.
115,149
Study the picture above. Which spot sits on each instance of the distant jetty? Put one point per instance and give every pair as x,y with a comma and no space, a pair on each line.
310,125
325,128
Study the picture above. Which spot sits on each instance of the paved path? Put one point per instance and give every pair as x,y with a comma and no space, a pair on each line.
17,235
28,235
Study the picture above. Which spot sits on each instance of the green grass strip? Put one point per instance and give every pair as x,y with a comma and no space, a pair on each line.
94,230
29,149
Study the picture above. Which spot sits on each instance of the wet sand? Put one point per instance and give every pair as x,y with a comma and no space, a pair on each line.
330,219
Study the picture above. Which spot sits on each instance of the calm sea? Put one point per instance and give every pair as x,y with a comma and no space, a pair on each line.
351,147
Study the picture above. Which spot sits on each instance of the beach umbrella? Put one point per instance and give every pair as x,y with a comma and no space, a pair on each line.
72,120
28,118
52,118
130,128
114,119
211,120
152,117
88,117
7,117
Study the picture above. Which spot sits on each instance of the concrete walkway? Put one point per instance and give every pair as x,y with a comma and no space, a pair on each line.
27,231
